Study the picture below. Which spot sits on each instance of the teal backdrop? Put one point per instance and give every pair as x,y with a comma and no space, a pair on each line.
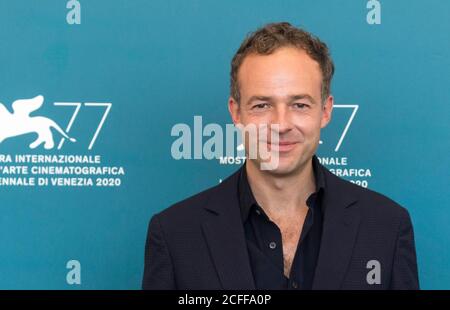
150,64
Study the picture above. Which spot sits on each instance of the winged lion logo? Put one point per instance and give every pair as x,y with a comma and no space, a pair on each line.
20,122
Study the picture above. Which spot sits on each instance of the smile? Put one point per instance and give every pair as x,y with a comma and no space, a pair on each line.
282,146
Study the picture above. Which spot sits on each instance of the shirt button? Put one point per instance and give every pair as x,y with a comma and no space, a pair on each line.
272,245
258,212
294,284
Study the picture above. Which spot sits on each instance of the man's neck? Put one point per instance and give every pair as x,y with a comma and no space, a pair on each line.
281,194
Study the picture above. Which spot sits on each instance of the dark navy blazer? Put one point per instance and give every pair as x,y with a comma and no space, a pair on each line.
199,243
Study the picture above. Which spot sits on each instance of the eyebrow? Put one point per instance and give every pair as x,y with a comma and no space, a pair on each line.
290,98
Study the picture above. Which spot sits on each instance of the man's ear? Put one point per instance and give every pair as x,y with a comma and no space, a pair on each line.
233,108
327,109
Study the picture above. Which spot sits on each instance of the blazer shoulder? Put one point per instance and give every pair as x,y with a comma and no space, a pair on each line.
188,207
193,206
370,200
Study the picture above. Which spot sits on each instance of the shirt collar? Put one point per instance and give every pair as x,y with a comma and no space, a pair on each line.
247,199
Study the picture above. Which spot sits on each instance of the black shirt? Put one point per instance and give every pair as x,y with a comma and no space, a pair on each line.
264,242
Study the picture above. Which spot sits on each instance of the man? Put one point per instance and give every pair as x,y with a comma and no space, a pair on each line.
296,226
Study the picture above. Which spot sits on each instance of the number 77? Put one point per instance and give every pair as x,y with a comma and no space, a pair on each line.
77,106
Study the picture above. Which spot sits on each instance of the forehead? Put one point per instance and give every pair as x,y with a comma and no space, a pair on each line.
287,70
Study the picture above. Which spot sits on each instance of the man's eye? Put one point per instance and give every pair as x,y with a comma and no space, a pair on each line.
261,106
300,106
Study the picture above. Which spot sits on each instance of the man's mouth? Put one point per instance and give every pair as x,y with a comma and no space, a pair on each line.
282,146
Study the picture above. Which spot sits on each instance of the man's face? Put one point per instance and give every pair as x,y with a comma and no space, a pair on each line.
283,88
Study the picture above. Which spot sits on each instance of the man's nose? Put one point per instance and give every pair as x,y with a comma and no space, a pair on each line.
281,117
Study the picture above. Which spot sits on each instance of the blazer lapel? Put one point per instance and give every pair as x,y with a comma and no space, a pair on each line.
225,237
224,234
340,229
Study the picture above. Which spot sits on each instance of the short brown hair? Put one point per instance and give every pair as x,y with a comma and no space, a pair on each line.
269,38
